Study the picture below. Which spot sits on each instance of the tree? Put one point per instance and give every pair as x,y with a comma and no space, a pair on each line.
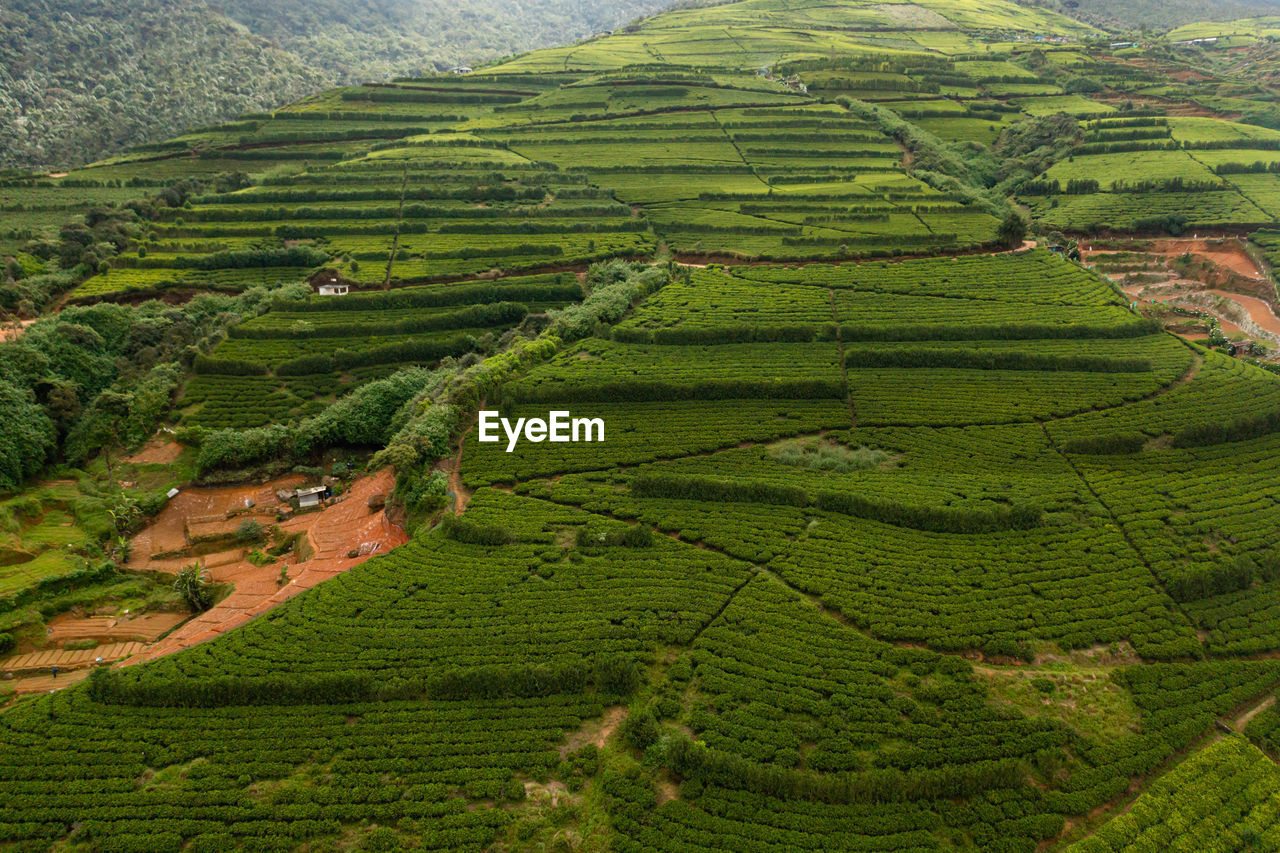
1012,230
27,436
100,428
192,582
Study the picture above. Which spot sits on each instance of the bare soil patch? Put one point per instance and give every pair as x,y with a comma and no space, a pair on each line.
595,731
13,331
157,452
147,627
667,791
1228,253
340,536
45,683
1259,311
460,493
1243,720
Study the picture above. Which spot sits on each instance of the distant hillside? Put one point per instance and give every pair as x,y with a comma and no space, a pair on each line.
352,40
1158,14
81,79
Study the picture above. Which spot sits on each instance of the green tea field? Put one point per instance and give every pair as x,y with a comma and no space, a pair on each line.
934,506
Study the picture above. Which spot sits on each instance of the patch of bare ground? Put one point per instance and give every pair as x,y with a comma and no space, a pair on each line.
1228,254
595,731
147,627
44,683
1243,720
1260,312
157,452
13,331
343,533
1115,654
1099,656
461,495
667,790
552,793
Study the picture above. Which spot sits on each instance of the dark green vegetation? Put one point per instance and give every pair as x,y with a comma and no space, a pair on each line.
84,79
895,542
1224,795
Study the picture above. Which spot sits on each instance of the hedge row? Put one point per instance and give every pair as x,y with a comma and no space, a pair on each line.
1240,428
642,390
461,294
406,351
228,367
1001,331
974,359
936,519
690,759
1201,580
1106,445
709,335
298,256
616,676
477,316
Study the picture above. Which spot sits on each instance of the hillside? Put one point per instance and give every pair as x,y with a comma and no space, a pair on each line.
924,360
1158,15
81,79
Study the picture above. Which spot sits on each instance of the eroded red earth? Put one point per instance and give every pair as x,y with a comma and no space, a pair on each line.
332,535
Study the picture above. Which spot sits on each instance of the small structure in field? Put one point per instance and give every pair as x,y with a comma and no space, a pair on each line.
312,496
329,282
1245,347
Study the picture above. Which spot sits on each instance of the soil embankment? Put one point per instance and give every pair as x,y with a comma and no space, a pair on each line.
1214,275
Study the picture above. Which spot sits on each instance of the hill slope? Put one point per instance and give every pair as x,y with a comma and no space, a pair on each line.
80,79
1158,15
899,535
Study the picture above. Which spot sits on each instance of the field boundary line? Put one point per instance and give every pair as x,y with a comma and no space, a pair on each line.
755,174
844,368
1124,532
395,241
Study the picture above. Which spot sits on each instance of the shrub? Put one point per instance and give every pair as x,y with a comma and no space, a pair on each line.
425,494
640,729
463,529
250,531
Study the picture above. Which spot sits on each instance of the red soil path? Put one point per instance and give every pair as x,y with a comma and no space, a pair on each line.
345,526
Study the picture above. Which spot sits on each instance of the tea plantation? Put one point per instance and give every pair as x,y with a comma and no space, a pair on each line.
905,534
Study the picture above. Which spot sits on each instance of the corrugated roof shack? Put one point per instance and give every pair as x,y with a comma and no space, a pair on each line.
308,497
311,497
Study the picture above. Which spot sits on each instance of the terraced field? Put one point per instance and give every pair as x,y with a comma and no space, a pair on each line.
903,535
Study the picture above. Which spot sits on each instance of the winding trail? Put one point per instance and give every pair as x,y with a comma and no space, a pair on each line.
460,493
